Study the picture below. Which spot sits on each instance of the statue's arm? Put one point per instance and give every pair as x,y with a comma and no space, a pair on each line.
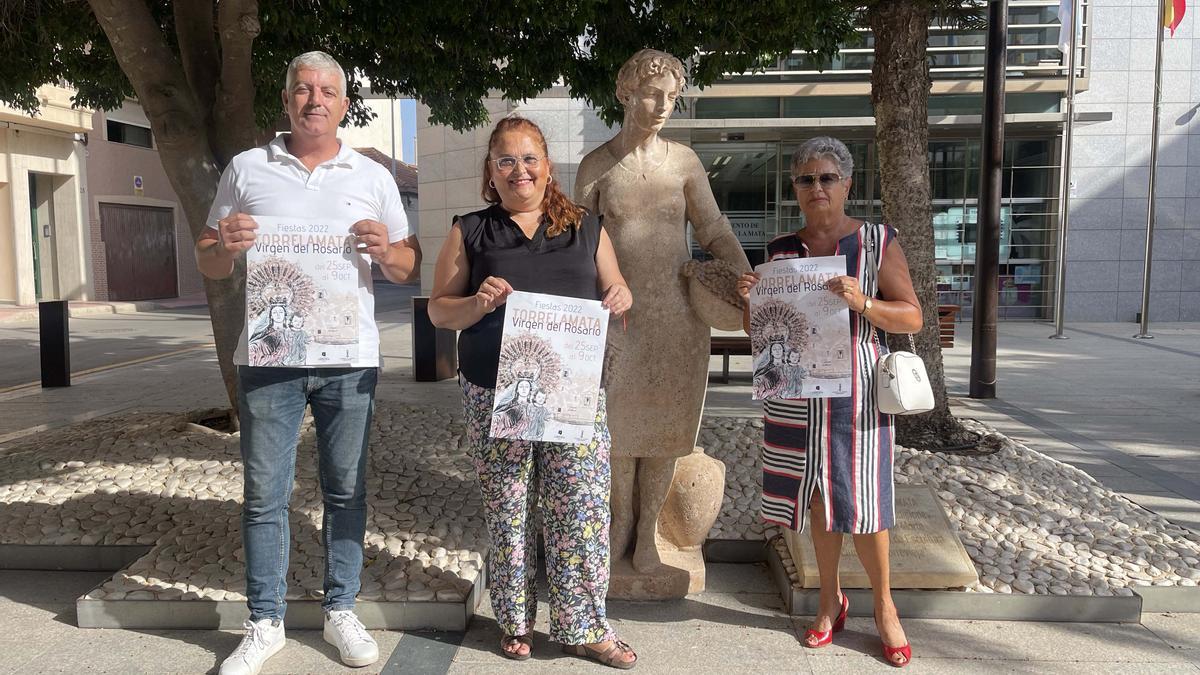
711,227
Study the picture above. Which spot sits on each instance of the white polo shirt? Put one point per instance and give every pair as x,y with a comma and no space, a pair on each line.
270,181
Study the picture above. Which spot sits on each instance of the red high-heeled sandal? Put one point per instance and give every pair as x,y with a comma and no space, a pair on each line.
826,637
889,653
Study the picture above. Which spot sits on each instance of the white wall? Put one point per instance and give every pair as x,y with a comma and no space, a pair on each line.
1110,167
59,155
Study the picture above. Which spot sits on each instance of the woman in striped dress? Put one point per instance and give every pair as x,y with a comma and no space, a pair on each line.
829,460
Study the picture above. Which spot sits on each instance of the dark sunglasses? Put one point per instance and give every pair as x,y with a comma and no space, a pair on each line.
808,180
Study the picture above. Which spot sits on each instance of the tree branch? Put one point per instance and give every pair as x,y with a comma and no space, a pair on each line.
234,128
198,48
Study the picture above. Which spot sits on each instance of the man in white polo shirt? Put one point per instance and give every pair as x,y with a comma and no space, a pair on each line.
311,176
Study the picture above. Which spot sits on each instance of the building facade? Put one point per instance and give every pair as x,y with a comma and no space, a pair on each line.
745,127
141,244
44,249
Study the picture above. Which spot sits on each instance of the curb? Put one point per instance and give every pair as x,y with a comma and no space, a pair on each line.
25,315
303,614
961,605
69,557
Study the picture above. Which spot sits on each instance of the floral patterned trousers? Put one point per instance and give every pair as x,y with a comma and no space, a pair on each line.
573,482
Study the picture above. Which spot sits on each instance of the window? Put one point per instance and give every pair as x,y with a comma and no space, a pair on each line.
129,134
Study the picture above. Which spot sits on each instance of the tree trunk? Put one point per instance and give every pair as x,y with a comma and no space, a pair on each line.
177,119
900,85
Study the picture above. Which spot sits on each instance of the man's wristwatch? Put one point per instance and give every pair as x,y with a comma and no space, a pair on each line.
866,306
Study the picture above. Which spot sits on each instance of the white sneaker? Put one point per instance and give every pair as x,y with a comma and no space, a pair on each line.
263,639
344,631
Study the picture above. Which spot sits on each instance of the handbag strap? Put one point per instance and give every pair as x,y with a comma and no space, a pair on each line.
875,262
912,344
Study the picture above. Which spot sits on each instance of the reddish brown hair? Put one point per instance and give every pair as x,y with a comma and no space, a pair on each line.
561,211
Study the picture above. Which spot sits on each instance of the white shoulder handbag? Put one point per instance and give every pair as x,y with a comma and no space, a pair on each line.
901,383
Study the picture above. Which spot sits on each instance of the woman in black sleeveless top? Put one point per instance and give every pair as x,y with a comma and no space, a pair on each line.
532,239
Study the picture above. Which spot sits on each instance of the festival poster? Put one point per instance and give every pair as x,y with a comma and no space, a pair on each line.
551,357
301,294
799,331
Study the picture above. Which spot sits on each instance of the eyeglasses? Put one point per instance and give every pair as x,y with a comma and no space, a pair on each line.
808,180
506,164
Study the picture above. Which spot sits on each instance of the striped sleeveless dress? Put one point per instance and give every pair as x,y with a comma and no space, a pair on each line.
840,447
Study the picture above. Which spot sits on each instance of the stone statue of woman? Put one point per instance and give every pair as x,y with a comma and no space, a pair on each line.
648,189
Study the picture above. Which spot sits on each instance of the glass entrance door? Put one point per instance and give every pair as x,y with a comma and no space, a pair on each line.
864,190
35,234
745,182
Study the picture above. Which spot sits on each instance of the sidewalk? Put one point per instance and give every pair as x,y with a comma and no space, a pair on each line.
1125,411
12,314
737,626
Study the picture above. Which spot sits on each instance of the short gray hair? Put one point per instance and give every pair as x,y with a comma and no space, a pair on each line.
315,60
824,147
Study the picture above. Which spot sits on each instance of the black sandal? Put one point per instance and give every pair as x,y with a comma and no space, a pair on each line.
509,640
608,657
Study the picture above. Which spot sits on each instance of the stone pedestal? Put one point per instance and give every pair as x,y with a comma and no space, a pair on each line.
681,573
691,507
925,549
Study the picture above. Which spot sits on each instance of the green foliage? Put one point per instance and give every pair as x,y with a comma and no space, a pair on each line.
449,54
48,41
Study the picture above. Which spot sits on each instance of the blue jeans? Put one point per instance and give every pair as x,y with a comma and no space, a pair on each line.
271,404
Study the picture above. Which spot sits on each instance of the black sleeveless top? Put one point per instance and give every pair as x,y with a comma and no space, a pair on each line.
496,247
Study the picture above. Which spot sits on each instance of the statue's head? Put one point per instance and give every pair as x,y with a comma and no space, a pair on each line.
647,85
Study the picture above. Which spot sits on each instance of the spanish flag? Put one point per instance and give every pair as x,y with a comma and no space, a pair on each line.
1173,14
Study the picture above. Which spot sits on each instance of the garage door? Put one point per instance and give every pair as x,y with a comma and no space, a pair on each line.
139,245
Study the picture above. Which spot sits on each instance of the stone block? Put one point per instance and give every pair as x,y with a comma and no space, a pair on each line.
1090,306
1101,181
1091,276
1144,22
925,550
1096,213
1177,53
1099,151
430,141
1172,150
433,169
1109,22
1116,55
1093,244
464,163
1189,306
1141,55
1190,279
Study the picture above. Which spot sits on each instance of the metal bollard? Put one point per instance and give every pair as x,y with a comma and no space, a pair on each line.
435,353
55,341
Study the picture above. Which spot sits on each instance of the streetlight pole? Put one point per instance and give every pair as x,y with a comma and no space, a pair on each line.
991,183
